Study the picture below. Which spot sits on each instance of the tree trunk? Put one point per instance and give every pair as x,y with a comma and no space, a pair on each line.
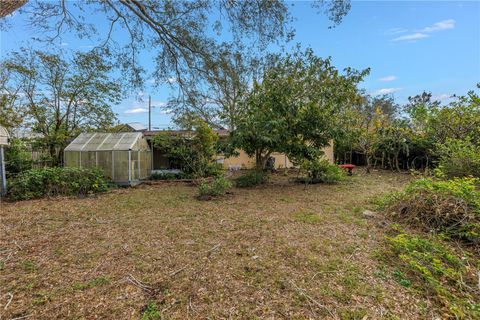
53,153
368,163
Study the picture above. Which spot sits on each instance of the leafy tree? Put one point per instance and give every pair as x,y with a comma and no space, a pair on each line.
18,158
193,152
367,121
460,119
294,109
181,33
216,95
11,111
393,142
459,158
61,97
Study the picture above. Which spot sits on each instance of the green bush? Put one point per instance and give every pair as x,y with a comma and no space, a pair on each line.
18,158
251,178
193,155
214,169
169,176
458,158
322,171
38,183
433,266
451,207
217,187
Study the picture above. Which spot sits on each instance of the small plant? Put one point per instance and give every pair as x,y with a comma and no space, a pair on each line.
29,266
217,187
151,312
321,171
38,183
251,178
401,279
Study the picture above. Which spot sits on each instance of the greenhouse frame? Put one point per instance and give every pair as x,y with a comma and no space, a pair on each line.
123,157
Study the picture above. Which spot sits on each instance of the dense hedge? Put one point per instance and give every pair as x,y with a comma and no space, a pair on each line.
48,182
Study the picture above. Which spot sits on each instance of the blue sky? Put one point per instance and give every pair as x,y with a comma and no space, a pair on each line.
410,47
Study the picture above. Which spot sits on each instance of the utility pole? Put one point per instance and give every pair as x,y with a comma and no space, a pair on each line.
149,113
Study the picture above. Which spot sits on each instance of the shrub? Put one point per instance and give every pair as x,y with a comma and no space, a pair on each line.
194,155
38,183
214,169
251,178
459,158
18,158
322,171
217,187
169,176
432,265
451,207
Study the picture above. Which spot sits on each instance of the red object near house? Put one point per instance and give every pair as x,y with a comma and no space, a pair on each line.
348,166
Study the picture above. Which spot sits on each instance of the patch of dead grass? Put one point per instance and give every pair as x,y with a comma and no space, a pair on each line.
279,250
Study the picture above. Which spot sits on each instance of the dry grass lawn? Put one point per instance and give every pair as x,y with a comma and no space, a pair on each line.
278,251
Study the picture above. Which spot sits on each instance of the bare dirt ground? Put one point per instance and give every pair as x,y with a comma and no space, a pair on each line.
276,251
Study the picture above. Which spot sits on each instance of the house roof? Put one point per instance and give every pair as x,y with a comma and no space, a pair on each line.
137,126
104,141
152,133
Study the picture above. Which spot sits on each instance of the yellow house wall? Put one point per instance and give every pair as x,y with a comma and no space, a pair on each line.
243,161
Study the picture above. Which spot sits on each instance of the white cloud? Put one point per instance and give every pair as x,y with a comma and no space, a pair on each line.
411,37
388,79
136,110
166,111
64,44
442,97
394,31
172,80
439,26
422,33
386,91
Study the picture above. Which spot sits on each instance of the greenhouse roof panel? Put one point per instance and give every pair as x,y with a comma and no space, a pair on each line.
104,141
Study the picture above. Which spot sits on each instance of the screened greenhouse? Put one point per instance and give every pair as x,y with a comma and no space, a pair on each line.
124,157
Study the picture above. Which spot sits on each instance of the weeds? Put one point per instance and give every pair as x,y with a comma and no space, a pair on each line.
307,217
251,179
151,312
92,283
451,207
438,269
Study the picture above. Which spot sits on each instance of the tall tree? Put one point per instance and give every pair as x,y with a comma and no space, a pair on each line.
61,97
183,34
216,95
294,108
11,110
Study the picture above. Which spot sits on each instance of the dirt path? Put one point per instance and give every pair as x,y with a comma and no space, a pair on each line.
281,251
